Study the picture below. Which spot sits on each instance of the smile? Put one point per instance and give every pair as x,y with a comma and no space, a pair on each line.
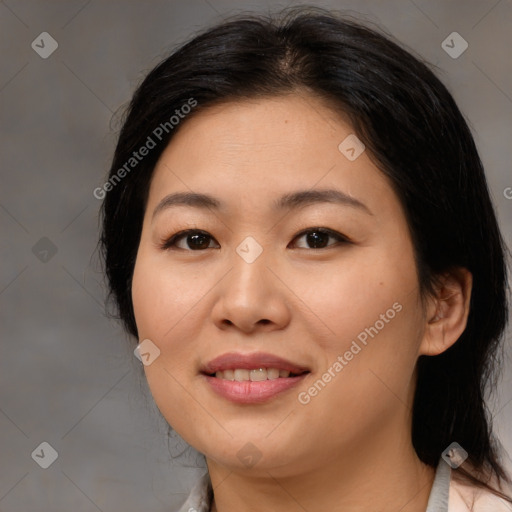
255,375
252,378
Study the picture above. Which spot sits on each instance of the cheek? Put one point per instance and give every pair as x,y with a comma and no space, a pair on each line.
168,310
365,289
162,297
373,312
369,367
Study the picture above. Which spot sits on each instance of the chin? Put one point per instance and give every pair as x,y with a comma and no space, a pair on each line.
254,451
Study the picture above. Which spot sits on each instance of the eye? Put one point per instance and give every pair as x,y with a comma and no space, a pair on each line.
194,239
198,240
318,238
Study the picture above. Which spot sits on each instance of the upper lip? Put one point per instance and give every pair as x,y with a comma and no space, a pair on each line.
233,360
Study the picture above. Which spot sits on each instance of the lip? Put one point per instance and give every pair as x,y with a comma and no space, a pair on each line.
233,360
252,392
248,392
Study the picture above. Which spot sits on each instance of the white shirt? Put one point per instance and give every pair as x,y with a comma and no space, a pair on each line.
446,495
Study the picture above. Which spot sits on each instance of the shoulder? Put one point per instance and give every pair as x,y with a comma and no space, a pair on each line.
465,497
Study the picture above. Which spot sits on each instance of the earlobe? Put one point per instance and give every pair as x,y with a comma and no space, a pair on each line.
447,312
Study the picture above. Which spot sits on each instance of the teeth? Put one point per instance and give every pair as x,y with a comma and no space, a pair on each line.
256,375
228,375
241,375
272,373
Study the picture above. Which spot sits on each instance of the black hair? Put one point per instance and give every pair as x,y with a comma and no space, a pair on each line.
417,137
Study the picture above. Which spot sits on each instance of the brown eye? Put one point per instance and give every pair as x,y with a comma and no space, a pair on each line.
318,238
193,240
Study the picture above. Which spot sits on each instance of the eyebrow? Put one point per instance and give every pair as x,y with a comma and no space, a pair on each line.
291,201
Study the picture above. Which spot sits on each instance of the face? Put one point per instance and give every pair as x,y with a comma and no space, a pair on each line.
285,305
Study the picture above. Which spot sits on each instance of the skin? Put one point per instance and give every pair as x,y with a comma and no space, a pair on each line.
350,446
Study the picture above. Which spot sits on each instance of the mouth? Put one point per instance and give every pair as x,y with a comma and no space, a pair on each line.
254,378
254,374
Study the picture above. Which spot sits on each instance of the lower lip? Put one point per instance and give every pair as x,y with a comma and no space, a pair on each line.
249,392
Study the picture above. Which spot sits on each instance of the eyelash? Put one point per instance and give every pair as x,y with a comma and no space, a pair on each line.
170,243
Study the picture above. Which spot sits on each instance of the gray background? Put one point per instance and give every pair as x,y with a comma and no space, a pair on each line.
67,373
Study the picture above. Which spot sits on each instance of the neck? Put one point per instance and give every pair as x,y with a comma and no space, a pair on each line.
383,472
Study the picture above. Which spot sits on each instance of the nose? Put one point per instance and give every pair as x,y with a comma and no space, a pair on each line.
251,298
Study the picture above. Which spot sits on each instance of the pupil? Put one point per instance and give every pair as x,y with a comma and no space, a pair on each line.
315,239
199,241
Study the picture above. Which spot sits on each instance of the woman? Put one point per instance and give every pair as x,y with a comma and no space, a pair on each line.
297,229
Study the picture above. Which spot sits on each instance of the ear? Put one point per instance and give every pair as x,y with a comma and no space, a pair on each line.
447,313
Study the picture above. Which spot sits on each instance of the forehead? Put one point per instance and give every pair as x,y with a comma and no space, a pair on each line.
252,151
274,127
